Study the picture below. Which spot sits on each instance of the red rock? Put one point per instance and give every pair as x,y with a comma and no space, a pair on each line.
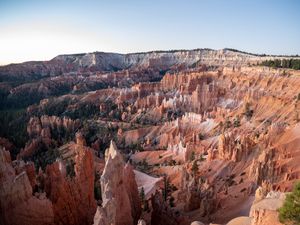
17,203
121,205
68,193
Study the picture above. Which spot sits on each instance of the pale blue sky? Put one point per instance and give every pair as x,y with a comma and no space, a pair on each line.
42,29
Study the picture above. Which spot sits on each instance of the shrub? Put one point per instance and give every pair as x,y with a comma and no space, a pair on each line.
172,162
236,122
289,213
248,111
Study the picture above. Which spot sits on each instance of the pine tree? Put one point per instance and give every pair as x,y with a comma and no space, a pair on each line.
289,213
248,111
236,122
166,188
142,194
143,199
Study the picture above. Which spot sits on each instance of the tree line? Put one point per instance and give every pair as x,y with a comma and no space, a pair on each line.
283,63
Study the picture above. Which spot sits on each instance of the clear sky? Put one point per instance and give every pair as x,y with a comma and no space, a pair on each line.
42,29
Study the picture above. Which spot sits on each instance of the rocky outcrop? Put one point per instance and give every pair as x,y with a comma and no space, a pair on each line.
18,205
263,168
179,150
71,191
45,132
38,126
190,193
28,168
121,204
197,223
234,148
141,222
101,61
242,220
133,192
264,212
61,196
80,140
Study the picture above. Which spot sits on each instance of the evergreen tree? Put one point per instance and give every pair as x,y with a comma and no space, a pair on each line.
289,213
144,200
248,111
166,187
142,194
236,122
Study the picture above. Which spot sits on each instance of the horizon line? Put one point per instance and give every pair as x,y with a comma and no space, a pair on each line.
156,51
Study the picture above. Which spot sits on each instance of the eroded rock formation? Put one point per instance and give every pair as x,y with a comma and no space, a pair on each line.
67,191
121,203
51,198
213,134
17,202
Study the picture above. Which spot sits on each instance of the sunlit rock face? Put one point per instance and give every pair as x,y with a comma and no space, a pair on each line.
264,210
121,203
100,61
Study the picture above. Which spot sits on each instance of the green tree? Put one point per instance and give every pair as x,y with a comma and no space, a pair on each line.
166,188
145,165
236,122
284,63
289,213
144,201
142,194
248,111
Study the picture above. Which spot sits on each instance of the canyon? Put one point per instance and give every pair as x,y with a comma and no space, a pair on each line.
165,137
